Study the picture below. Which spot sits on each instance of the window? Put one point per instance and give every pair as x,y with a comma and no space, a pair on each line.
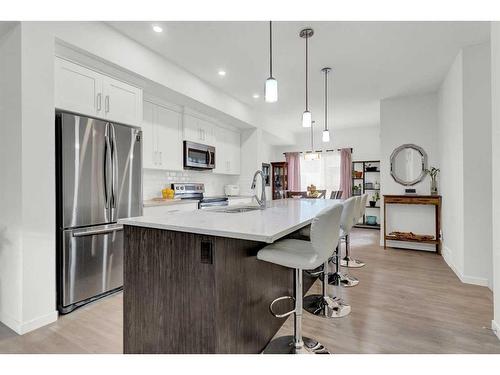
323,173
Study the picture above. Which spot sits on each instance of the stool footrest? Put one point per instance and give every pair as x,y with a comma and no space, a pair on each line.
284,314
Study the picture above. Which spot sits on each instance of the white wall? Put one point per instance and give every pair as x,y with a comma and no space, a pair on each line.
410,119
29,220
495,99
10,169
465,159
255,150
364,140
477,162
450,133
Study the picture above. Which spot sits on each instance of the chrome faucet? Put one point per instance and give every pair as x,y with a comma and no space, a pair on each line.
262,200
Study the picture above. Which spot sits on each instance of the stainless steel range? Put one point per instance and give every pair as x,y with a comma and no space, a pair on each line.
196,191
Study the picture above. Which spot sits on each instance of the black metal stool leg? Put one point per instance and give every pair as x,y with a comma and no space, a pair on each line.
349,261
339,277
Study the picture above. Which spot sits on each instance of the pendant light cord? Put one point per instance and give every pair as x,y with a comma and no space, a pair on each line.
326,99
271,48
307,70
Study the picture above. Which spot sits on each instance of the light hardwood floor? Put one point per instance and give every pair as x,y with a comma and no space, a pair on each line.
406,302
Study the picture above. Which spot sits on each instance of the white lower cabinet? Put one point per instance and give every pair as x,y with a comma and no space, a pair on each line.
162,137
164,210
227,151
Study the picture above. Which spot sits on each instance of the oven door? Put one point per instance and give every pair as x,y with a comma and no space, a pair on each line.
198,156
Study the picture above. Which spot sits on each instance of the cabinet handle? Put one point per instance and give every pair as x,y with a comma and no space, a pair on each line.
161,159
106,103
99,97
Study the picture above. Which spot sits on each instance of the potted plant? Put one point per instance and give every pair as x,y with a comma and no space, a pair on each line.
375,198
356,190
433,173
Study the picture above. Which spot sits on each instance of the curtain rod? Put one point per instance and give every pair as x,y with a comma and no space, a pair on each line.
306,152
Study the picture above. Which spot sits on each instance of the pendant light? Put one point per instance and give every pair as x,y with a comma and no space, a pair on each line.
326,132
312,155
271,90
306,116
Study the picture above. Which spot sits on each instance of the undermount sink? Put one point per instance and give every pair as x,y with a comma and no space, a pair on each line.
234,210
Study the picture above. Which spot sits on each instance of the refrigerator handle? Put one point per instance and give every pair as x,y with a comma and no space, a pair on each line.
95,232
107,155
114,164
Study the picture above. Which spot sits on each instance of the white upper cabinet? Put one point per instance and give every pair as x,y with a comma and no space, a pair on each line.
149,144
77,89
227,151
169,135
122,102
198,130
162,134
87,92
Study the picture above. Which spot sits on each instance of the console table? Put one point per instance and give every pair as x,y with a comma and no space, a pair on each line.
434,200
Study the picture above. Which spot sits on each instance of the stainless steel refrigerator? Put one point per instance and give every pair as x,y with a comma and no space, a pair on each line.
99,180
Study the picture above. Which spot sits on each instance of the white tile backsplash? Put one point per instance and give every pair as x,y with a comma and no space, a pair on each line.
154,181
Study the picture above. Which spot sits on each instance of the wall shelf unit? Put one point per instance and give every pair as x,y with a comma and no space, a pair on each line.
365,176
279,179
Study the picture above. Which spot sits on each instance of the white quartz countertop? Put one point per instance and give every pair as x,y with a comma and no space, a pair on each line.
280,218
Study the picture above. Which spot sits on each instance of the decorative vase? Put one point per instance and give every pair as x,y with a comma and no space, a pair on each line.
434,188
373,203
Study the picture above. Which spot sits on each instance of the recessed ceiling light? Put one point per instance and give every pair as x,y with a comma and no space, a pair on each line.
157,29
256,96
222,73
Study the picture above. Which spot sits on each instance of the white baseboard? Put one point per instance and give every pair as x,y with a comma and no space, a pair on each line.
10,321
481,281
496,328
38,322
24,327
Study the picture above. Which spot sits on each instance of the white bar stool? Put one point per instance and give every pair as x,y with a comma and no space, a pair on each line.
347,260
346,223
301,255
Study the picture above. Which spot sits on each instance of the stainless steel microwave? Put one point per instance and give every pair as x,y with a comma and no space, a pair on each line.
198,156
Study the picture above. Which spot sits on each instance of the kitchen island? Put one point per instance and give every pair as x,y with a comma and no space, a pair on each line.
193,284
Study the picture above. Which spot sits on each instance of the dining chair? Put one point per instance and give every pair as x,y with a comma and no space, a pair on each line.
302,194
336,194
322,194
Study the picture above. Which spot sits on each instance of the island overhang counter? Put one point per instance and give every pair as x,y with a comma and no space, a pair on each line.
193,284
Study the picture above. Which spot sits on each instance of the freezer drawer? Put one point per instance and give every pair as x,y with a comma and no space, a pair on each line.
92,262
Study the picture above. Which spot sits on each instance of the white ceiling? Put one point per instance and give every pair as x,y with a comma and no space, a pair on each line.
370,61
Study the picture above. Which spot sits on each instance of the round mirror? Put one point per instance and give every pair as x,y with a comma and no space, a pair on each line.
408,164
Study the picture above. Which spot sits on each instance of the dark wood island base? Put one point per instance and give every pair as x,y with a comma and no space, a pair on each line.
192,293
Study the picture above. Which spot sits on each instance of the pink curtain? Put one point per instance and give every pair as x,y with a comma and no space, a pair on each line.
346,172
293,160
